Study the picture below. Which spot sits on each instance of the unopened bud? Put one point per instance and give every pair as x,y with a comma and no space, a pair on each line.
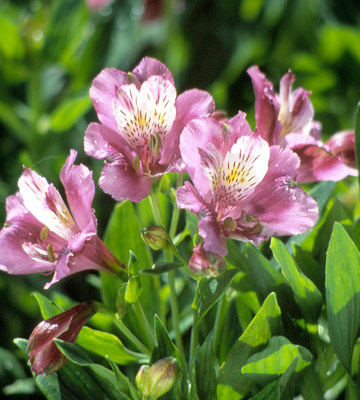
157,380
205,261
156,237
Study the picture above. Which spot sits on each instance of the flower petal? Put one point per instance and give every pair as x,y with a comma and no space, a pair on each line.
103,91
105,144
45,204
197,135
284,209
121,181
266,106
189,105
80,190
149,67
20,227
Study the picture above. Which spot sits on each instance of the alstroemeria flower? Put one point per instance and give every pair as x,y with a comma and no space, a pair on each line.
41,235
243,188
287,119
141,122
45,357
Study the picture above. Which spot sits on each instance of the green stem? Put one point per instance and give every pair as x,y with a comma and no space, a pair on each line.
132,338
145,323
155,206
175,313
194,340
218,321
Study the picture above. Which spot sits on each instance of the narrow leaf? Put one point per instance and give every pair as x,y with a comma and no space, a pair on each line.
161,268
307,295
266,323
343,293
210,289
48,308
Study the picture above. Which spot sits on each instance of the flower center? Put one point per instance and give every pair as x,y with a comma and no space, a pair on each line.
145,116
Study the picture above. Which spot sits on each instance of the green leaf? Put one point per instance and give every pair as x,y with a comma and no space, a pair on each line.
275,359
276,389
343,293
161,268
47,307
69,112
85,379
205,370
357,138
166,348
233,384
210,289
123,383
48,385
106,344
310,267
307,295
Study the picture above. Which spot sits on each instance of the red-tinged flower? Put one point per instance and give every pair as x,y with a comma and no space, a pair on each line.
41,235
45,357
287,119
205,261
141,121
243,188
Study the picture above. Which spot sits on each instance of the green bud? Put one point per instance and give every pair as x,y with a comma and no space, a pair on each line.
156,237
157,380
141,378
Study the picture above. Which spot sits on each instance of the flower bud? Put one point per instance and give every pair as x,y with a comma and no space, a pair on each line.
156,237
205,261
45,357
157,380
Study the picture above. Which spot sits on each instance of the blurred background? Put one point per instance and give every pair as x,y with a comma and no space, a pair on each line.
51,50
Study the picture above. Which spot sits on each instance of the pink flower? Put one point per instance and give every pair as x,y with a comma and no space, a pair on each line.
41,235
205,261
243,188
45,357
141,122
287,119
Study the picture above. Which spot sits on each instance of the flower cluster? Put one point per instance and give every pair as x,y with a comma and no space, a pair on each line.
244,183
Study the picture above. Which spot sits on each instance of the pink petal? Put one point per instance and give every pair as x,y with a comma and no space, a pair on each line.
121,181
105,144
80,190
103,91
188,197
213,240
317,164
45,204
197,135
284,209
149,67
20,227
189,105
266,106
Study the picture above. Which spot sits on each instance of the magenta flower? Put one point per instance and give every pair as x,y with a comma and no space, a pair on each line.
243,188
45,357
41,235
141,122
96,5
287,119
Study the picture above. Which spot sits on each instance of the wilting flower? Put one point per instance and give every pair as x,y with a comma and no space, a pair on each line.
141,122
41,235
287,119
205,261
243,188
45,357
